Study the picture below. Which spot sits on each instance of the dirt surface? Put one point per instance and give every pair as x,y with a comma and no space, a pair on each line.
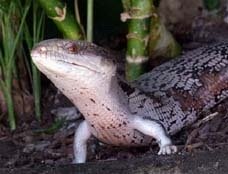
201,163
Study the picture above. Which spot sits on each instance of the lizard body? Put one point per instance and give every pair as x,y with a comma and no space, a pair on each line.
186,86
160,102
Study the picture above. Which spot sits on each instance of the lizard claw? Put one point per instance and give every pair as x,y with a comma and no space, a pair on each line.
167,149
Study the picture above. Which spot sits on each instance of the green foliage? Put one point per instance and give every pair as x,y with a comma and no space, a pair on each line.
4,5
32,37
14,29
211,4
11,33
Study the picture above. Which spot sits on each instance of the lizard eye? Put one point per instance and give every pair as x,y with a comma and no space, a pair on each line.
72,48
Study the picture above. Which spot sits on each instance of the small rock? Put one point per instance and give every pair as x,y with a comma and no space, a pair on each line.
66,113
49,162
29,148
41,145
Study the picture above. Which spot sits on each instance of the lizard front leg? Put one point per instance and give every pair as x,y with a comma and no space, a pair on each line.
82,134
155,130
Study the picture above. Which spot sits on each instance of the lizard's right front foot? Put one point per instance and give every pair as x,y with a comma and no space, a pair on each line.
167,149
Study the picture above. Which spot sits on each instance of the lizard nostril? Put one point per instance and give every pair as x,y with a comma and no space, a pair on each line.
42,49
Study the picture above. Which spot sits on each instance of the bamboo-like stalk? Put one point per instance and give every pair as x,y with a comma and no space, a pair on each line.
147,36
138,12
63,18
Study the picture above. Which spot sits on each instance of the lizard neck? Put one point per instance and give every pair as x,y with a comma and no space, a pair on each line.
105,100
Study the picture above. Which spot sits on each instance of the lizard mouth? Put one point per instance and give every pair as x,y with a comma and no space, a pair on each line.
36,56
79,65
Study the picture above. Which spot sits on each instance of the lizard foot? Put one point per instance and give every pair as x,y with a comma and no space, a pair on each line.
156,130
167,149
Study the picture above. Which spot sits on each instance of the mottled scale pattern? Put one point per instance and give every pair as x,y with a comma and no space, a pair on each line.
175,93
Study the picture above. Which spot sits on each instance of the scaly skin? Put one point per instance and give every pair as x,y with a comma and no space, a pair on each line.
160,102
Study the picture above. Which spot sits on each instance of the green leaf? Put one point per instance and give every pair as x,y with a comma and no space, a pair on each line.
4,5
53,128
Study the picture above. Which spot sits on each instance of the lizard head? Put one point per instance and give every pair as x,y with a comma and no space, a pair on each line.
73,60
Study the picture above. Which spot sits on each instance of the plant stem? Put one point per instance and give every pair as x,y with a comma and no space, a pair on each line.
63,18
147,37
38,32
138,12
36,91
9,103
10,107
31,40
89,20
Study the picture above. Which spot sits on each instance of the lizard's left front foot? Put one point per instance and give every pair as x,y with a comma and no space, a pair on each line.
155,130
167,149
